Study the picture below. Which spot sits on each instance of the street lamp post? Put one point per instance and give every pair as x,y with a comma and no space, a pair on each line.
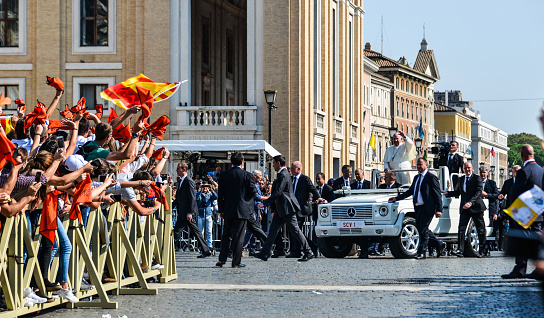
270,97
492,172
418,142
392,132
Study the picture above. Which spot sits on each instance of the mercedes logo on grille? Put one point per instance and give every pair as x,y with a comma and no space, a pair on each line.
351,212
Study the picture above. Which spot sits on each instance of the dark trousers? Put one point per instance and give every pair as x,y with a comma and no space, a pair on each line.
426,236
233,230
182,223
499,230
291,222
254,228
478,219
294,246
521,262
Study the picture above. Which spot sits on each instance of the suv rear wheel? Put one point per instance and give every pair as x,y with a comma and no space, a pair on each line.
334,247
406,244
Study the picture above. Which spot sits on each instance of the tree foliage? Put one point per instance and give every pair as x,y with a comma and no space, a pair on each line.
516,141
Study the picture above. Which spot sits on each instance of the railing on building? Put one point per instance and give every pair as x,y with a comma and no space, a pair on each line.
217,117
338,126
122,244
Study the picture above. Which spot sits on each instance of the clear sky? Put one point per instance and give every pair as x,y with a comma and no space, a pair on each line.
489,50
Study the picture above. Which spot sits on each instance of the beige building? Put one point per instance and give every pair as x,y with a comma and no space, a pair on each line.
89,44
310,51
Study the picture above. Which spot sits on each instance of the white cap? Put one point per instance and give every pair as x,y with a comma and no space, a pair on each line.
74,162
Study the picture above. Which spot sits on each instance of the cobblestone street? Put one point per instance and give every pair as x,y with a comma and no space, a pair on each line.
377,287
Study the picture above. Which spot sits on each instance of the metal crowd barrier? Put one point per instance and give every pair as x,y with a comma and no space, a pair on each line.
131,247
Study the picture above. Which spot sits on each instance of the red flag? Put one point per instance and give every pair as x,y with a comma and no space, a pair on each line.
122,133
157,154
79,108
157,128
99,110
113,115
82,195
6,151
21,104
160,196
55,82
38,116
146,100
48,224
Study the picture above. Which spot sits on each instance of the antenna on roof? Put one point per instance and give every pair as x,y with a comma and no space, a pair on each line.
423,29
381,27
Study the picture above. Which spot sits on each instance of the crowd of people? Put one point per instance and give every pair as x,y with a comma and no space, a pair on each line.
55,168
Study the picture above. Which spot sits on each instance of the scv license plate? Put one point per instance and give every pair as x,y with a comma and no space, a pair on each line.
349,224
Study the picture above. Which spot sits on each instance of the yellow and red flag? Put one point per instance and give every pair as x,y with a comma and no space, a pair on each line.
5,121
125,94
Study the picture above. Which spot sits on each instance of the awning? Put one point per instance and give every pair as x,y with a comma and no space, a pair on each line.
218,145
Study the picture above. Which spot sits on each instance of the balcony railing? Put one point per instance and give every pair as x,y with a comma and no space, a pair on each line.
338,128
217,117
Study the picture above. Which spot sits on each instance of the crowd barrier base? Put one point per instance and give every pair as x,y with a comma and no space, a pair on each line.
122,246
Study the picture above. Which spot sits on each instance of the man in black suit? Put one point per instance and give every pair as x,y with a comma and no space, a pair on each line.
472,206
490,192
235,195
303,187
499,226
390,181
526,178
284,206
453,160
360,182
185,202
325,191
344,180
425,192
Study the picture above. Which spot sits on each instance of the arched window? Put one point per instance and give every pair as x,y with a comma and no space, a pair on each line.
402,84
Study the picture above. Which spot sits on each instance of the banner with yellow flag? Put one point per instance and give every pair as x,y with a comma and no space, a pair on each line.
527,207
372,142
125,94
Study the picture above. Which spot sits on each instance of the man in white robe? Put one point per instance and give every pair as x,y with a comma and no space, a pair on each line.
399,156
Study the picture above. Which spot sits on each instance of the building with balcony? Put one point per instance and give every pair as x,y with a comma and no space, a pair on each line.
309,51
484,138
412,96
89,44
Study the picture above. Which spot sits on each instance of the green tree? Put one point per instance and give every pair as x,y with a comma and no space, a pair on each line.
516,141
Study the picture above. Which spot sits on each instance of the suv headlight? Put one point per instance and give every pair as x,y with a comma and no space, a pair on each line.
324,212
384,210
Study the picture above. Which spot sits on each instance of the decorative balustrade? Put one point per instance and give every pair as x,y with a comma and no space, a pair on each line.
218,117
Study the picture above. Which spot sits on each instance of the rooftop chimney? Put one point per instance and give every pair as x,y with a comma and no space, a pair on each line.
367,46
423,45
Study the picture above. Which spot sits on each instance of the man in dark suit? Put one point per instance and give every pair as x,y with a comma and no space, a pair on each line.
185,202
390,181
303,187
453,160
360,182
472,206
235,195
499,226
253,223
427,199
526,178
490,192
344,180
325,191
284,206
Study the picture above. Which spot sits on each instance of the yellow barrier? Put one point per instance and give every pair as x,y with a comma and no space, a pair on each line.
133,246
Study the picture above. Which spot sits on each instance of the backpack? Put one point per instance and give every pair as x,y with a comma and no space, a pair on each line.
86,149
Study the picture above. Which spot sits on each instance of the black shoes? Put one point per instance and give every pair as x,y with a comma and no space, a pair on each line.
440,250
457,253
204,255
293,255
512,275
534,275
262,256
278,254
421,256
219,264
363,256
306,257
239,266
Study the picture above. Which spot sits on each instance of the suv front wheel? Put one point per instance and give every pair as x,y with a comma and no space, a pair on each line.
405,245
334,247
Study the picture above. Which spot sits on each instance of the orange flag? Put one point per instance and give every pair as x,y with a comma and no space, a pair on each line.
38,116
66,113
157,154
146,101
48,224
6,151
21,104
55,82
55,125
4,100
79,108
160,196
99,110
82,195
157,128
122,133
113,115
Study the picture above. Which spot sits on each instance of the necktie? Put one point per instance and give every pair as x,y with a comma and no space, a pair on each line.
360,185
451,157
320,189
418,185
465,184
347,183
294,184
